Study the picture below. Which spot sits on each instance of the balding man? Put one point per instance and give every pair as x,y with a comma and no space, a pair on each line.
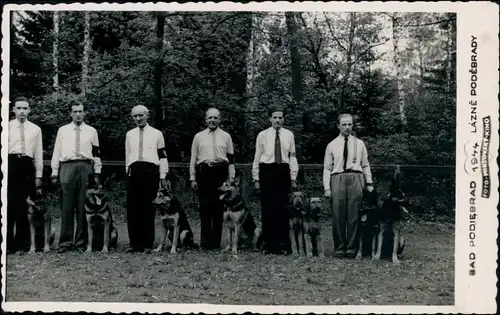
211,164
76,156
345,175
147,167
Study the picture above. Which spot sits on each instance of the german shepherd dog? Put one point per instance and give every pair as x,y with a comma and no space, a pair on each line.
174,222
297,208
312,227
42,232
99,219
239,222
369,223
390,218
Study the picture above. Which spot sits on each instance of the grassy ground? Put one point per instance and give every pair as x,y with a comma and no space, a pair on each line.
425,277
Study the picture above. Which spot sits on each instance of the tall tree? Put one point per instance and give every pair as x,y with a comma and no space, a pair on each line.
157,96
86,55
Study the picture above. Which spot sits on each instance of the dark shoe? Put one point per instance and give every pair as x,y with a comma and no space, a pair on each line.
134,250
62,250
80,249
339,254
147,251
350,254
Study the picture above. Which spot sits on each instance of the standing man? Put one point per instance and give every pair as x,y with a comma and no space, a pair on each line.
210,165
346,172
146,165
76,156
25,167
274,170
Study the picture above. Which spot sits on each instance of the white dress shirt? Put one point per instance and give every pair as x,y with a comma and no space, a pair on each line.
65,146
32,142
357,159
210,146
264,150
152,142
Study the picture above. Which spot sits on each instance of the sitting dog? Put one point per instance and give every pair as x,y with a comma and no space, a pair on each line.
369,224
40,221
239,222
99,219
174,222
297,207
312,227
390,218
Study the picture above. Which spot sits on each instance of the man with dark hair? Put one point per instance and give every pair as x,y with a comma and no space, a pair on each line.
346,172
76,156
211,164
146,165
274,172
25,168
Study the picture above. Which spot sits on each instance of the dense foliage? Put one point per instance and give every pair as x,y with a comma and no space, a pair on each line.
394,71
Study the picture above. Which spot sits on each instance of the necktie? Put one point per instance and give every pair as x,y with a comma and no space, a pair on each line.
141,143
345,152
214,146
77,141
277,148
23,140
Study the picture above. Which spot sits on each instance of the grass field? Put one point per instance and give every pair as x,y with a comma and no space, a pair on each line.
425,276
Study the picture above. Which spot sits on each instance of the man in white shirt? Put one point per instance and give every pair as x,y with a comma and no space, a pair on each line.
211,164
146,165
274,172
346,172
25,168
75,158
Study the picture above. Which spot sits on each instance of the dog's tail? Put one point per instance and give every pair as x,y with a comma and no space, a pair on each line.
396,180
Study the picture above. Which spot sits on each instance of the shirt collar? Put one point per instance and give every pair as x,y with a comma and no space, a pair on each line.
18,123
145,127
341,137
73,125
214,131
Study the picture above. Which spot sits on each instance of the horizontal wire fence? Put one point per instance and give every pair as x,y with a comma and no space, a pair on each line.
431,188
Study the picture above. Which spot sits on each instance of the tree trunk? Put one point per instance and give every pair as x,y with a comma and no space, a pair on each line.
156,104
349,59
396,30
86,55
55,57
450,52
254,55
296,77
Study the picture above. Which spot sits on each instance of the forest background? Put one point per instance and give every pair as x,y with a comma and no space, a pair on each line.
396,72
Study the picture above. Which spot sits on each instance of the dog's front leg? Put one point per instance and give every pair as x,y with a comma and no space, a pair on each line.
292,241
237,231
47,231
302,247
309,247
395,244
380,240
319,242
359,255
229,234
90,231
163,238
105,242
175,239
32,237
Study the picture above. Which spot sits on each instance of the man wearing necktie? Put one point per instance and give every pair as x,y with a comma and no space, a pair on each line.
211,164
346,172
146,166
76,156
25,167
274,173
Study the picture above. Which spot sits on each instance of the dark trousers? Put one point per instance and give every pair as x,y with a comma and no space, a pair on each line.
346,201
73,177
144,178
209,179
20,183
275,185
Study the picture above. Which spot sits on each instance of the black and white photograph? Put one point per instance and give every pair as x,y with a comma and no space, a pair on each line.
243,156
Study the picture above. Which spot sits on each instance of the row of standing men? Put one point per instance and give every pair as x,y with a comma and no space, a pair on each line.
76,157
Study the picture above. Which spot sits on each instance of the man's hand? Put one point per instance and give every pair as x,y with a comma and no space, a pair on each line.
328,193
165,183
53,180
369,187
256,185
38,186
294,184
194,186
97,179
